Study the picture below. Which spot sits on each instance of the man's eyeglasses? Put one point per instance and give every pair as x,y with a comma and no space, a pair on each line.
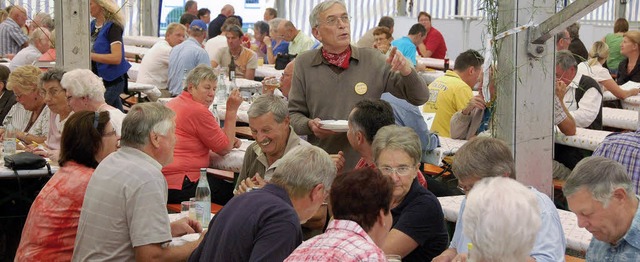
332,20
401,170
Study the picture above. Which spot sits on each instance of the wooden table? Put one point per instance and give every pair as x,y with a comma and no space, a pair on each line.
578,239
215,208
243,132
584,138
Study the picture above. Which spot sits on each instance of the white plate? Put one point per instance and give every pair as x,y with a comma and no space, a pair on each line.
335,125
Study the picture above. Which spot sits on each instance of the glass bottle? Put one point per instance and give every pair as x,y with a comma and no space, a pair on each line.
9,142
203,200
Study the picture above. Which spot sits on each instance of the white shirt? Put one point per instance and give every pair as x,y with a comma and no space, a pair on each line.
596,71
154,69
26,56
214,45
586,111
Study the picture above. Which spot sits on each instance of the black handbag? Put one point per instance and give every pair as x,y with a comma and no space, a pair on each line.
283,59
24,160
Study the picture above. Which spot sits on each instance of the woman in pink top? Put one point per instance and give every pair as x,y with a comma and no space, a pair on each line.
198,133
50,230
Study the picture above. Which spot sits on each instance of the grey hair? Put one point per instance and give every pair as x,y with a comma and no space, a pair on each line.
53,74
399,138
274,23
144,118
83,83
303,168
574,30
269,103
198,74
314,19
484,157
262,26
565,60
502,219
560,35
600,176
37,35
45,20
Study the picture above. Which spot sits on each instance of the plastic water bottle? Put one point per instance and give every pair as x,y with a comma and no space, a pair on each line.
9,142
203,200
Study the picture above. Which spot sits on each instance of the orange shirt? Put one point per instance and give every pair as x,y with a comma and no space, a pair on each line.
50,230
197,133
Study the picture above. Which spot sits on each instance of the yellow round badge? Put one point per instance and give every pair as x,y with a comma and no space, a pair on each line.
361,88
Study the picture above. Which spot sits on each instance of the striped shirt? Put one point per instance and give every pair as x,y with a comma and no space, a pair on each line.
20,120
11,37
624,148
124,207
344,240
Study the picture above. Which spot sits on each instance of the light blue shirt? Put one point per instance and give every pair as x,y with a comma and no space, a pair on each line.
550,243
182,59
627,249
407,48
409,115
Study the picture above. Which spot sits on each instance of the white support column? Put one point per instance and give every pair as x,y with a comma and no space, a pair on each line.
149,13
525,84
524,112
72,34
621,8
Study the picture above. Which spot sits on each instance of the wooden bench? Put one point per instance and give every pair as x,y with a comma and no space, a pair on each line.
569,258
558,184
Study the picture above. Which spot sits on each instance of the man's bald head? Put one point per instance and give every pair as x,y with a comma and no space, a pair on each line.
227,10
19,15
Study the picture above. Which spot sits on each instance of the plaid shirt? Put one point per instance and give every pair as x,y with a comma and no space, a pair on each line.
624,148
11,37
343,241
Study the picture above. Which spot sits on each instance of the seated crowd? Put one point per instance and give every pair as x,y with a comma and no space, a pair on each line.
358,195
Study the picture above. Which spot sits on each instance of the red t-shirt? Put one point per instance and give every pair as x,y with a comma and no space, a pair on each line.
435,43
197,133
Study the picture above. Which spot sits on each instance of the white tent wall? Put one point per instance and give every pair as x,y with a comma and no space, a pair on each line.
142,18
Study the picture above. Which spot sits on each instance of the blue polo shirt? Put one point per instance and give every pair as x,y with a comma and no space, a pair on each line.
407,48
182,59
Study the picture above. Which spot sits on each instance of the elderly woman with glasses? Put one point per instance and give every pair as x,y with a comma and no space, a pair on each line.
50,229
85,92
55,98
198,134
418,232
30,116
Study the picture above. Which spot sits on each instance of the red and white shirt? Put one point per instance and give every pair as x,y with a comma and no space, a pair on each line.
344,240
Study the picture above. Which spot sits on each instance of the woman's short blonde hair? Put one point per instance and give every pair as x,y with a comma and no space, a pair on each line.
112,12
24,78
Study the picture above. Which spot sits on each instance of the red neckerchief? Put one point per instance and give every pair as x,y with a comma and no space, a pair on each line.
340,60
